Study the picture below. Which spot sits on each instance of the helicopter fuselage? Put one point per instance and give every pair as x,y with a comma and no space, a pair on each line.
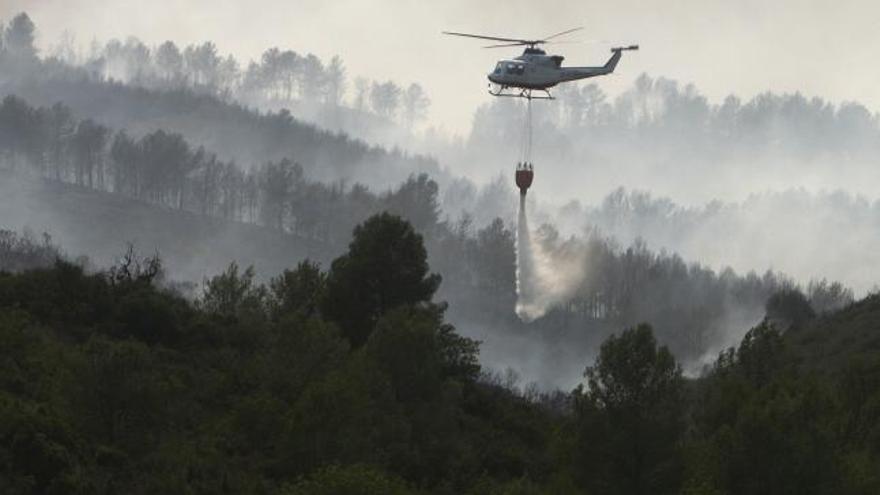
535,70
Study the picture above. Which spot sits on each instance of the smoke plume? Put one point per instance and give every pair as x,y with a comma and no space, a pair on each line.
546,273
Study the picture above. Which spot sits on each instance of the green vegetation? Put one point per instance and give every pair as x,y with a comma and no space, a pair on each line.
110,383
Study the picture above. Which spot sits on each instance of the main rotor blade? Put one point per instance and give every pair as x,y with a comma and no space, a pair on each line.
507,45
492,38
576,42
563,32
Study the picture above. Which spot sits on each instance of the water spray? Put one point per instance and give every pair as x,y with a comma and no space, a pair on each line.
525,270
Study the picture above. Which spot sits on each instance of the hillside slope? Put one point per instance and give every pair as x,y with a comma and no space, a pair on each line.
232,131
833,341
85,221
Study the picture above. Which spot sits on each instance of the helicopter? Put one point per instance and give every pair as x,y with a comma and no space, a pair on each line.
531,74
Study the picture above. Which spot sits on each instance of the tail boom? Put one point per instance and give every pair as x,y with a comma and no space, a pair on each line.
575,73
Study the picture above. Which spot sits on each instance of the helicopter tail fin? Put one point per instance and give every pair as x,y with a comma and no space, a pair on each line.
615,57
609,66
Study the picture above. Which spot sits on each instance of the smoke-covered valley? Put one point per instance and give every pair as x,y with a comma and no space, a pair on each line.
655,205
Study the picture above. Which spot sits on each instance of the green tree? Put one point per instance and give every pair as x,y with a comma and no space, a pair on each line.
39,450
336,81
169,61
385,267
789,308
279,182
350,480
234,293
298,291
17,129
87,145
416,201
419,352
761,355
385,98
630,417
761,426
415,103
19,38
59,128
494,259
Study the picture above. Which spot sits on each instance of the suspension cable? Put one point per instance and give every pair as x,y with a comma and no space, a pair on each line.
529,130
525,148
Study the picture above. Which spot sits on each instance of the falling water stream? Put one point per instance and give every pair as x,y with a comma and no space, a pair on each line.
525,283
544,278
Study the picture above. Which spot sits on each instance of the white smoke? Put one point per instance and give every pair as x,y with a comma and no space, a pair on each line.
547,273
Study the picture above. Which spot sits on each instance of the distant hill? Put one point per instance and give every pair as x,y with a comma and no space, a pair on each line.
231,130
85,221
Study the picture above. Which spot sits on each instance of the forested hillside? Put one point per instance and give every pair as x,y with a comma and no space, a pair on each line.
96,187
100,225
593,142
200,212
695,310
785,229
195,105
349,380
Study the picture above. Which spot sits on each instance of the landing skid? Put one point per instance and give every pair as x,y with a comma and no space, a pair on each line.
526,93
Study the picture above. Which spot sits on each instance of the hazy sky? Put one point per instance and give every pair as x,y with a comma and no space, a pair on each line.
826,48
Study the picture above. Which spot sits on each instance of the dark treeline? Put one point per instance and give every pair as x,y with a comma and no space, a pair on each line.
774,222
664,112
280,78
201,112
26,252
350,381
165,169
654,107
